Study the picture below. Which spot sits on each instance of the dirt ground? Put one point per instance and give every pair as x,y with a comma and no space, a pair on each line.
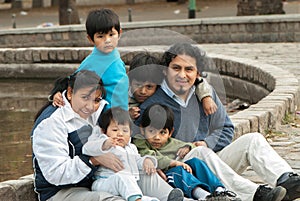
161,10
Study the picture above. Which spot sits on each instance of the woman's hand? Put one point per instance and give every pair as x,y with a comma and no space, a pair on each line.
108,160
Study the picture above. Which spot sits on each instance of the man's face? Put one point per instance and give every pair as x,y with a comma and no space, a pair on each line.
106,42
181,74
142,90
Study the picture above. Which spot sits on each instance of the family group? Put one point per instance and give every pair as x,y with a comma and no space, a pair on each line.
156,132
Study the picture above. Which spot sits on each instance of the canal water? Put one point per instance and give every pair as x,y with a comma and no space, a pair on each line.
19,102
15,146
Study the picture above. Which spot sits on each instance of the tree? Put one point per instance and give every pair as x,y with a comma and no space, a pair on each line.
68,13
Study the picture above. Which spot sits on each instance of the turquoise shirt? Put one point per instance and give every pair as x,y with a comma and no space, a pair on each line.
111,69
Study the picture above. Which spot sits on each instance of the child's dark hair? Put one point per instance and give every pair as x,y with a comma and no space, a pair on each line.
158,116
145,67
101,21
185,49
116,114
78,80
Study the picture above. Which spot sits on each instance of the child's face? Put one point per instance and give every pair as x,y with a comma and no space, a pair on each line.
119,132
142,90
84,102
157,138
106,42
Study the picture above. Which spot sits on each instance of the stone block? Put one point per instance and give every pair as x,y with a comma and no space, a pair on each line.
44,55
241,126
253,122
7,192
262,117
36,58
28,56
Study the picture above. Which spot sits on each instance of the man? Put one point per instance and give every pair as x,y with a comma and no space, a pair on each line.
184,63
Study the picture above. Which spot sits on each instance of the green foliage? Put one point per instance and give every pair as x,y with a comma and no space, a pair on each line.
288,118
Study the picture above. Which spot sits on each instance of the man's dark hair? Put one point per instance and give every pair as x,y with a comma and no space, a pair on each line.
116,114
185,49
158,116
101,21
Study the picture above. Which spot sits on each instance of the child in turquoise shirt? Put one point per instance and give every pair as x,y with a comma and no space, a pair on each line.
103,32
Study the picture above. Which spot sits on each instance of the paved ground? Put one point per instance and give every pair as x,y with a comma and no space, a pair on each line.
140,12
286,140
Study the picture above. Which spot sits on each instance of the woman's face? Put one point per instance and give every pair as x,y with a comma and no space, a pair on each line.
84,102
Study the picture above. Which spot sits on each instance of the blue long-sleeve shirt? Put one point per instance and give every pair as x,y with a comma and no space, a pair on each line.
111,69
190,122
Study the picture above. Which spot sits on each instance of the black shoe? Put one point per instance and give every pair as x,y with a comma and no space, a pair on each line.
292,186
223,196
264,193
176,195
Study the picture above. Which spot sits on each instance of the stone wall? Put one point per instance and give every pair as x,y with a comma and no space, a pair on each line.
259,7
244,29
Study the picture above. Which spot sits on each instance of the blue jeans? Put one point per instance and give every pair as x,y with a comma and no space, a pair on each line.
201,177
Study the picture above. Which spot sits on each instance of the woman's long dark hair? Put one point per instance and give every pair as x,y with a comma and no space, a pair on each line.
76,81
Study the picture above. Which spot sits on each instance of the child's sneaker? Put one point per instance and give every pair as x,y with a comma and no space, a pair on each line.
176,195
147,198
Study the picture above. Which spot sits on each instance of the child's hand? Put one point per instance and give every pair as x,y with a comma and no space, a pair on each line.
109,143
200,143
183,151
161,174
148,166
134,112
184,165
58,100
209,105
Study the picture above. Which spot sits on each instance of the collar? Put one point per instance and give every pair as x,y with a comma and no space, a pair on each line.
171,94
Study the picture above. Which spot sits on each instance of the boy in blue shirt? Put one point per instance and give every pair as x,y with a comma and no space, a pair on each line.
104,31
